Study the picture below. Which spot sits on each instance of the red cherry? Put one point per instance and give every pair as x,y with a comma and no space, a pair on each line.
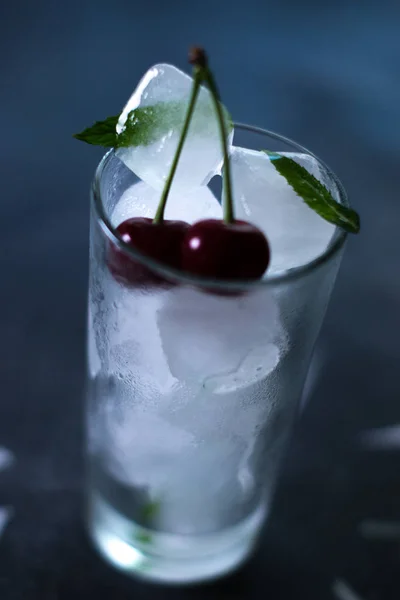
159,241
220,250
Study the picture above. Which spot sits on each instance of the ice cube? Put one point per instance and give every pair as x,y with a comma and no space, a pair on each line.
224,342
254,367
202,492
143,447
136,355
262,196
93,359
140,200
166,90
126,341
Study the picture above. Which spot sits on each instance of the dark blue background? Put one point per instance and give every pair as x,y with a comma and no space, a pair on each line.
325,74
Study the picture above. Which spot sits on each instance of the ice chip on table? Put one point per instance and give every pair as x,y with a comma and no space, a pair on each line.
225,342
5,516
140,200
382,438
166,90
296,233
6,458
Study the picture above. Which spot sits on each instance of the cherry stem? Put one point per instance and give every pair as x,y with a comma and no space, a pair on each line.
199,59
159,216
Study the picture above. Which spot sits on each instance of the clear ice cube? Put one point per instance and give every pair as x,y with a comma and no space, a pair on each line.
167,89
127,342
226,343
296,233
151,443
140,200
136,355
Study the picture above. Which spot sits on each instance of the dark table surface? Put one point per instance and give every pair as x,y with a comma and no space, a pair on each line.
325,74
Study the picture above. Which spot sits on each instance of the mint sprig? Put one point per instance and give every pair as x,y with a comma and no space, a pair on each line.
150,510
314,193
101,133
147,124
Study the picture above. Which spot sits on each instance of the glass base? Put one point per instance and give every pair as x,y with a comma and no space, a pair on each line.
166,557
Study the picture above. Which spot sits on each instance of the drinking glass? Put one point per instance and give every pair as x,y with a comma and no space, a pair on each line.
192,391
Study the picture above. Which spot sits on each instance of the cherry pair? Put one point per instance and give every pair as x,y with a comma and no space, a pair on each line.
214,249
210,248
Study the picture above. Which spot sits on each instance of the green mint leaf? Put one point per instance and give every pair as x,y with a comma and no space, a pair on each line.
314,193
101,133
143,537
150,510
147,124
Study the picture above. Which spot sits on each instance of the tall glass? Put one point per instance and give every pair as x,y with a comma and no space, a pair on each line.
192,393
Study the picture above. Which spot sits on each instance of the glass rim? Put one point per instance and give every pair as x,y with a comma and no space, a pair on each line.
280,277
